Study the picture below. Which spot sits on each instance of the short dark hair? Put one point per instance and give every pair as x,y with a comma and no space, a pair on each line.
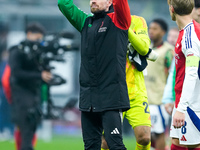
196,3
35,28
182,7
162,24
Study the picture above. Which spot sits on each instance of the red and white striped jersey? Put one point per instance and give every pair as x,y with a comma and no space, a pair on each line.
187,86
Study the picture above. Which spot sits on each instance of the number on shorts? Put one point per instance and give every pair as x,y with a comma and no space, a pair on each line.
153,119
183,129
146,107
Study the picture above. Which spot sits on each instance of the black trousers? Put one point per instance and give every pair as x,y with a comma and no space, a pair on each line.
93,124
27,130
26,114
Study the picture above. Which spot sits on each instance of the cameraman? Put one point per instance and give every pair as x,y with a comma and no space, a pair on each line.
25,82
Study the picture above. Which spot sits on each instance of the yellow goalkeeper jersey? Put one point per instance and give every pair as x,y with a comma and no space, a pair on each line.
139,39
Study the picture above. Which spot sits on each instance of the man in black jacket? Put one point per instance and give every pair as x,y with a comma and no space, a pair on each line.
25,82
103,89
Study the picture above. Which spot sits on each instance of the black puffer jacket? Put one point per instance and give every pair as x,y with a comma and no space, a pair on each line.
104,38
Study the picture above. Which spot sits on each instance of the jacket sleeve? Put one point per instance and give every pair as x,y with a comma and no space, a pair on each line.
169,87
138,35
15,63
75,16
122,16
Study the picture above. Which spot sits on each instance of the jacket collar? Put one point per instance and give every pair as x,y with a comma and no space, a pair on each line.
103,13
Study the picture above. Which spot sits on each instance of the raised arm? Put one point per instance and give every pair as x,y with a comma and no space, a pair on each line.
138,35
122,16
75,16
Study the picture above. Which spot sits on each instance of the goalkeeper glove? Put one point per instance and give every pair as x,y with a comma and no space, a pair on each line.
138,60
152,55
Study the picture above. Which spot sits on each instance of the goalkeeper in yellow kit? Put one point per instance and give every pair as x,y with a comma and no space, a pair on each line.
138,115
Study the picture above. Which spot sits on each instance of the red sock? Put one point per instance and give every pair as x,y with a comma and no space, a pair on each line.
18,139
176,147
193,148
34,140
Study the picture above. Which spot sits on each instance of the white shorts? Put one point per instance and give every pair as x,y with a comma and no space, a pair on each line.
188,134
159,118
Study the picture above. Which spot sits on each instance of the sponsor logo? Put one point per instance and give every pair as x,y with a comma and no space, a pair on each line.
115,131
102,29
142,32
176,58
183,138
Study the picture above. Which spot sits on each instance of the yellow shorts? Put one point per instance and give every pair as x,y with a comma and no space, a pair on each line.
138,114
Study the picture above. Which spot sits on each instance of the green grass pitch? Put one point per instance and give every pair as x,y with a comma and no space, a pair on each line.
63,143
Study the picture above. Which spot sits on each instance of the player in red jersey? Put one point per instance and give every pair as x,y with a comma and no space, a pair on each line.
185,128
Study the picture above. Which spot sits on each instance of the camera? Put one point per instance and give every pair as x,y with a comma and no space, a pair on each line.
51,48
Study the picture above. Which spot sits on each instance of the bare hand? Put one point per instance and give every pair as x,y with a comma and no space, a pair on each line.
46,76
169,108
178,119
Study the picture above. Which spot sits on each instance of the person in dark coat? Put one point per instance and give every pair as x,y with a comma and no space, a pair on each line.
25,83
103,89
